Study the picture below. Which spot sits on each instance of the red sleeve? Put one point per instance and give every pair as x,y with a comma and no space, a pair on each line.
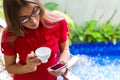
64,32
6,45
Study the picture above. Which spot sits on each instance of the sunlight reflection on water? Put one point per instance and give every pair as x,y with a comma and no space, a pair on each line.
97,68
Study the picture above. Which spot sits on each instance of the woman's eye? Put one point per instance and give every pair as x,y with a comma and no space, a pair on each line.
24,19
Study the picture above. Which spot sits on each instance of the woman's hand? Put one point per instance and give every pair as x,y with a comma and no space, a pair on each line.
32,62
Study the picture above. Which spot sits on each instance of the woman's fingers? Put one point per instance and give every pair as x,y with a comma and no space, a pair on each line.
31,55
32,59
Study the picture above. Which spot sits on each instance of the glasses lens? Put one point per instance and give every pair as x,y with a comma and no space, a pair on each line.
36,11
24,19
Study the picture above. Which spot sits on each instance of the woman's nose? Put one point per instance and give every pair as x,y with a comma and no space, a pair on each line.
33,20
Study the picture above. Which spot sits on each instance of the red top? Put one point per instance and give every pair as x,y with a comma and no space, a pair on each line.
50,37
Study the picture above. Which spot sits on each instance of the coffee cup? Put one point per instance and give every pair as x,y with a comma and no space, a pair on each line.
43,53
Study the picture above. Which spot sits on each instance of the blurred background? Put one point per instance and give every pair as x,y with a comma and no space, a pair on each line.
90,21
84,10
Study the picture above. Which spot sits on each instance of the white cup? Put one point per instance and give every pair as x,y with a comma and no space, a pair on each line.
43,53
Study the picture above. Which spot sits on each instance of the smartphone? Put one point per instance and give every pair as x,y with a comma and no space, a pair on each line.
57,67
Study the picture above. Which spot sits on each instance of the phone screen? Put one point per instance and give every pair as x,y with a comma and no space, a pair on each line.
57,66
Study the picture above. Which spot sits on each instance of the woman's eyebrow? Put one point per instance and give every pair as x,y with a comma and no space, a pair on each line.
24,16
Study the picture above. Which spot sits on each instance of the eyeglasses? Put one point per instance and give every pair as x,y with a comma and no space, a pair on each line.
35,12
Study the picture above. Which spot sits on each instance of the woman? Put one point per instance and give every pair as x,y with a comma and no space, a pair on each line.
30,26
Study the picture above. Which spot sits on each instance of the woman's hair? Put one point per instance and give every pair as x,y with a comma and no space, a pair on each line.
50,18
11,11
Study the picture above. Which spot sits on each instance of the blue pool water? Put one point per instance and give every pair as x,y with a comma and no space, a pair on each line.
97,61
106,60
97,68
94,49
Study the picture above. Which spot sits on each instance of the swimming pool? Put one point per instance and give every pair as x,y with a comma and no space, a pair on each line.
98,61
98,68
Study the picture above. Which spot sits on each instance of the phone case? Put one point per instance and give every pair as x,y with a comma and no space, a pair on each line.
57,67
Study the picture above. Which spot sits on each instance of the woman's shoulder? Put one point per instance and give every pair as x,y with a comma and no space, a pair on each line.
6,34
52,17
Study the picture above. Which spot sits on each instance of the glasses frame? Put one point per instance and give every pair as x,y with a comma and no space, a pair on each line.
35,12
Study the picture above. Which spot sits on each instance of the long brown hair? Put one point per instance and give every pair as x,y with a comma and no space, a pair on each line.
11,11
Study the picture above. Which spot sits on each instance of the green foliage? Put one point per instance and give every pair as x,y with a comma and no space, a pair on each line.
1,10
92,32
51,6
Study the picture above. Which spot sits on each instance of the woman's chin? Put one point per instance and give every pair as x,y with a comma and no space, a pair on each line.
34,27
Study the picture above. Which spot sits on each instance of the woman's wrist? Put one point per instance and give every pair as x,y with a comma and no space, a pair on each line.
29,68
64,57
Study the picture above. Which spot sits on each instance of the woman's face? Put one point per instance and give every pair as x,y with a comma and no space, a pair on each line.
29,16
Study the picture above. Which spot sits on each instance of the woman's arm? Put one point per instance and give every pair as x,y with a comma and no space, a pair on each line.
64,52
14,68
64,57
